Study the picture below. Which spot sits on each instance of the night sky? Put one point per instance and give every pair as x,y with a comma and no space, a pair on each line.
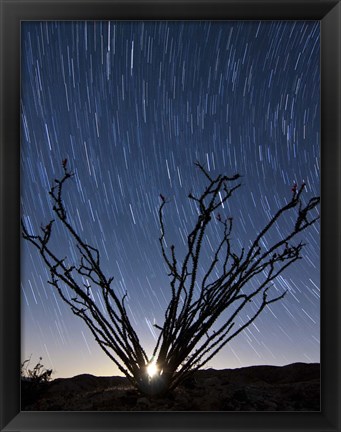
132,106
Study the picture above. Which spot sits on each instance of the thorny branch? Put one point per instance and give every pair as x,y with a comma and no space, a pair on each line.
185,343
113,331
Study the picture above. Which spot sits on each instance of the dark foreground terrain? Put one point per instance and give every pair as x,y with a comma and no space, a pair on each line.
295,387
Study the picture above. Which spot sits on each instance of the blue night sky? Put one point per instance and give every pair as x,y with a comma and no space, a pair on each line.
132,106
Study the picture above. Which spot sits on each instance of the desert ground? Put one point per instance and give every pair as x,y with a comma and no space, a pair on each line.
295,387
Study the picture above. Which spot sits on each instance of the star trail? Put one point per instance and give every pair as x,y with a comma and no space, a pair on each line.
132,106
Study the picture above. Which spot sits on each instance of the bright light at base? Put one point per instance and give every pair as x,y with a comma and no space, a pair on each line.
152,369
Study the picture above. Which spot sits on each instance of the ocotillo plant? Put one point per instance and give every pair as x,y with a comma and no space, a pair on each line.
203,310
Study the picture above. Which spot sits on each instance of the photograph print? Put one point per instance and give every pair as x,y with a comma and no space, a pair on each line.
170,247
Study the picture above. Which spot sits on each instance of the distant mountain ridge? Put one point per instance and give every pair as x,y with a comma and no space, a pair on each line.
294,387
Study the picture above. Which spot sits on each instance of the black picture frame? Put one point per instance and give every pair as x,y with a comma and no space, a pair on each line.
12,13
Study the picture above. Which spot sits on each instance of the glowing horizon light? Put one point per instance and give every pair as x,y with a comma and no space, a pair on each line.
152,369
